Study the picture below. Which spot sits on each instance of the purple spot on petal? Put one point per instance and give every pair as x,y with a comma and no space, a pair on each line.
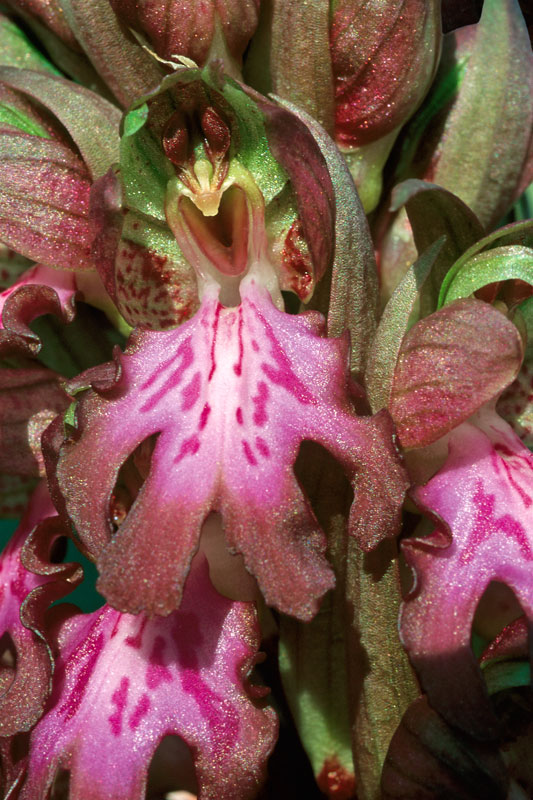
204,416
220,717
157,671
248,453
191,393
188,448
260,400
87,657
186,355
238,415
119,698
486,525
141,710
237,368
213,341
136,640
262,446
255,346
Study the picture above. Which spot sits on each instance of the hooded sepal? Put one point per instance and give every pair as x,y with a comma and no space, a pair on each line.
369,45
251,383
127,69
122,683
200,32
482,499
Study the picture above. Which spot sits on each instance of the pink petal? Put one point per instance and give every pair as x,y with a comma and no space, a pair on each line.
122,683
232,393
24,688
39,290
484,495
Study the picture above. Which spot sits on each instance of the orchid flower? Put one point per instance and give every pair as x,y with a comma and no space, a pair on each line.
239,481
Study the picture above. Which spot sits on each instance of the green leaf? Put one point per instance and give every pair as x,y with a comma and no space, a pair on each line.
16,118
393,326
91,121
490,266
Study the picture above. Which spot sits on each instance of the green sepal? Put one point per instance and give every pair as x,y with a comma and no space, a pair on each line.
145,168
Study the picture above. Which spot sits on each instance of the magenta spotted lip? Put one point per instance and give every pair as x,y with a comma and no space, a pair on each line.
131,680
232,393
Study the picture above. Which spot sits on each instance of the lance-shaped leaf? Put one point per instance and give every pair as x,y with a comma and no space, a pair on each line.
393,326
434,212
186,28
486,140
251,383
483,495
445,371
121,62
91,121
370,43
490,266
430,760
122,683
25,685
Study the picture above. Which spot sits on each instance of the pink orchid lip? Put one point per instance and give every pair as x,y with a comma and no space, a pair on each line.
482,497
250,383
123,683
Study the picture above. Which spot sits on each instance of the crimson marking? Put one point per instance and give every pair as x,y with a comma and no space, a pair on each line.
248,453
188,448
119,698
204,416
186,354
